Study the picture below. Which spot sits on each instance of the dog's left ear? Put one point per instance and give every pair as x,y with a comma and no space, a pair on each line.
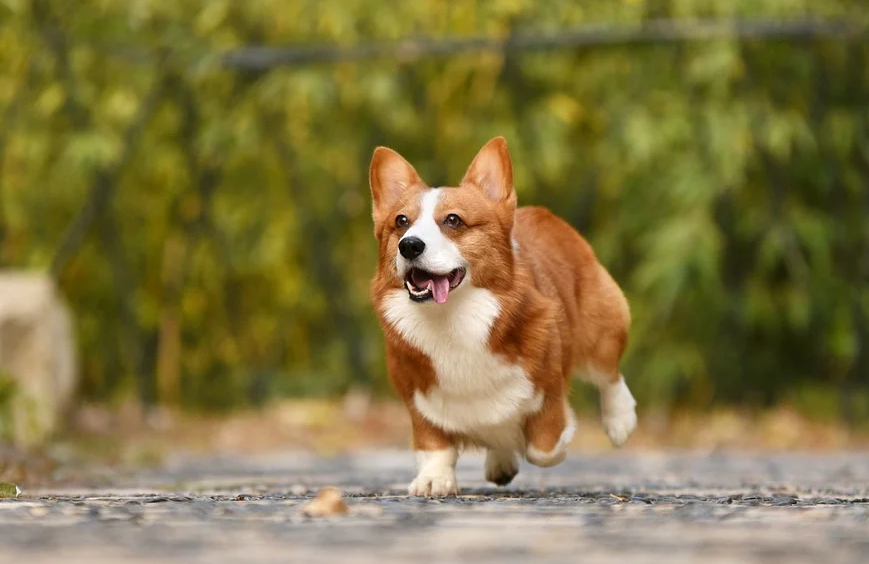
492,172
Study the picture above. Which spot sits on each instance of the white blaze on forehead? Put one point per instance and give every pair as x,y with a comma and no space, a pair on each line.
426,227
440,255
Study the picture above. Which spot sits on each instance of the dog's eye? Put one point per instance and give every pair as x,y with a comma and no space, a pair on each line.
452,220
401,221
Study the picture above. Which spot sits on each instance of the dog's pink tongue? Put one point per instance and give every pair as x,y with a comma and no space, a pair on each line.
440,288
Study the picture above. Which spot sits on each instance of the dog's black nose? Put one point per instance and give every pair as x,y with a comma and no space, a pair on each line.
411,247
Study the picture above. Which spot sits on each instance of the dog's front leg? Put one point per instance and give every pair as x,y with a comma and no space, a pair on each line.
436,456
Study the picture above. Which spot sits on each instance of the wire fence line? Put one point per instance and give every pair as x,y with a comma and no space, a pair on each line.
589,36
258,58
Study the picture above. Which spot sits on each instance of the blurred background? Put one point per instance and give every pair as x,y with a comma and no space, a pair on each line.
185,232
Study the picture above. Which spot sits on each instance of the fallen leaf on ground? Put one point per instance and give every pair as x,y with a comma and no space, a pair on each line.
9,490
328,502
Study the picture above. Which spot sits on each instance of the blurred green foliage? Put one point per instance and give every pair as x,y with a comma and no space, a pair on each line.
725,183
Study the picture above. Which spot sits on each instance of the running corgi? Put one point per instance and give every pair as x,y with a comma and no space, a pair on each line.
487,310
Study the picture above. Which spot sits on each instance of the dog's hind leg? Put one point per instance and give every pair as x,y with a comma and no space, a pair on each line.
617,405
618,411
501,466
549,431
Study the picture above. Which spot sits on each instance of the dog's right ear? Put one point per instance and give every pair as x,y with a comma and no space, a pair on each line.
389,176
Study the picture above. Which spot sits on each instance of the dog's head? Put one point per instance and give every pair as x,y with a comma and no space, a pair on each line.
434,240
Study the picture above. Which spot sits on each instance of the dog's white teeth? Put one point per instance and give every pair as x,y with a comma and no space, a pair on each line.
414,291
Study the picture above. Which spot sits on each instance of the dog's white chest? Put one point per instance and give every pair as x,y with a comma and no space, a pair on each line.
477,393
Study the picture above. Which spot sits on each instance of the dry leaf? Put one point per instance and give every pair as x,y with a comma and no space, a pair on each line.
327,503
9,490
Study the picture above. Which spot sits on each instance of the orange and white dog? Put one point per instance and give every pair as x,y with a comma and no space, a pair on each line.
487,310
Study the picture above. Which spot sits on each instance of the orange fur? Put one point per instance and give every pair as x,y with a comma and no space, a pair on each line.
558,308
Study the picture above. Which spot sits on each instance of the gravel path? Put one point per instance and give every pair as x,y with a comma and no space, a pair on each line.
621,507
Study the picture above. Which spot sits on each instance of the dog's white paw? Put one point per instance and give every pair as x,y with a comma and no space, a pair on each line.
620,426
437,473
431,484
618,412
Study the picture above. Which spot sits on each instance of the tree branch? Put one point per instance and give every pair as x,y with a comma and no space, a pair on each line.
80,119
53,35
105,183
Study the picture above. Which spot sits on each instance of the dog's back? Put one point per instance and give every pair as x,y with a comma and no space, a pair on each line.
593,313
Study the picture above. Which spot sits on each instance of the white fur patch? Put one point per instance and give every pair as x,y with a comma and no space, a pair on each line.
477,393
440,255
559,451
437,473
617,405
618,411
591,374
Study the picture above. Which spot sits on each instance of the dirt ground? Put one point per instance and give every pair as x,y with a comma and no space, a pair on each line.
628,506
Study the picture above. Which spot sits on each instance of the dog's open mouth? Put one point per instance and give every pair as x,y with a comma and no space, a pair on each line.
423,285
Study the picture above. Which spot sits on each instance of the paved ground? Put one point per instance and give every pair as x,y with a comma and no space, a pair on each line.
623,507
